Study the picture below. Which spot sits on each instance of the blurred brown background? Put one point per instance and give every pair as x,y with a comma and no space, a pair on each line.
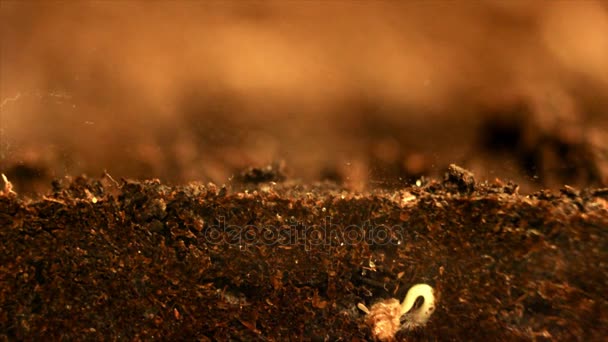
367,93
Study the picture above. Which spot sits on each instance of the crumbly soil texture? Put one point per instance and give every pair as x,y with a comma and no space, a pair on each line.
105,259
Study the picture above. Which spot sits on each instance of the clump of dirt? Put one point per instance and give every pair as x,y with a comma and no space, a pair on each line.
270,173
98,258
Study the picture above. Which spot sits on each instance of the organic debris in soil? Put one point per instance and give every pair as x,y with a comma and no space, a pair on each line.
99,259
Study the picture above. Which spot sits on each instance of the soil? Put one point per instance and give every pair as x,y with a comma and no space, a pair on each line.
97,259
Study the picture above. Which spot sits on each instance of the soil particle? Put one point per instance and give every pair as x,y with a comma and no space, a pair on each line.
271,173
462,179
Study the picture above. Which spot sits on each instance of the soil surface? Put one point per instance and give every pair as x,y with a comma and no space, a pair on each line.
265,259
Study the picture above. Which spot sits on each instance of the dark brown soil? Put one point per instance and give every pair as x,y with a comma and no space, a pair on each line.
97,259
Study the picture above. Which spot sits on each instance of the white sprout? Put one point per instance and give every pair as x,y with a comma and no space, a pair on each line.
8,187
386,316
418,317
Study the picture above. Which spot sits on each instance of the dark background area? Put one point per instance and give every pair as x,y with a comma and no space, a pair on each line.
370,94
